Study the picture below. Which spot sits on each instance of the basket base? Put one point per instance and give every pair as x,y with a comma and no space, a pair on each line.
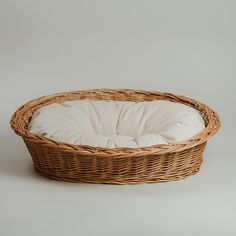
185,173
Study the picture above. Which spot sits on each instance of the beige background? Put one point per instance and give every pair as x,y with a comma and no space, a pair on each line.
187,47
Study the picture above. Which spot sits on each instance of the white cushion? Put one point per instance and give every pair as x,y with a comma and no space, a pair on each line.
117,123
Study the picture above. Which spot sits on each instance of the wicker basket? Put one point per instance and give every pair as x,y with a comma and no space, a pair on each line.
82,163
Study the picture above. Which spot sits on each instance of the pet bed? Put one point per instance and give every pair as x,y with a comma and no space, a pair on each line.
115,136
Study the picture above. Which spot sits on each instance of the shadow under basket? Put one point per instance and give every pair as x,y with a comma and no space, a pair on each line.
82,163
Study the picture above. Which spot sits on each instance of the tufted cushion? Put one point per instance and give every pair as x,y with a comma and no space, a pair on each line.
116,123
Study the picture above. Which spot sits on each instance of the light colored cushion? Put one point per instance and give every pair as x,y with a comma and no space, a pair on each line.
117,123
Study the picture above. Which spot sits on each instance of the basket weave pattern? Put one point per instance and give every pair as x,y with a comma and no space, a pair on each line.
82,163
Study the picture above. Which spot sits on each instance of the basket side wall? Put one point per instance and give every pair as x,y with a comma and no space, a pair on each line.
72,166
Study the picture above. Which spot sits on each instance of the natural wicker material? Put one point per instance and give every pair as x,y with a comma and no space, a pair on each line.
82,163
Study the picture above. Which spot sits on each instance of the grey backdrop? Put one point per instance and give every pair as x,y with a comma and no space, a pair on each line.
186,47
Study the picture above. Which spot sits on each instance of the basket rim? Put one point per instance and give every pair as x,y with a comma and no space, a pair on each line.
21,118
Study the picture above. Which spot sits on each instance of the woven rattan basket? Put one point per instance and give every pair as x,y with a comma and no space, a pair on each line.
82,163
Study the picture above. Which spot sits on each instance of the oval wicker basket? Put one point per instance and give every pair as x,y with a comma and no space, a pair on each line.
82,163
